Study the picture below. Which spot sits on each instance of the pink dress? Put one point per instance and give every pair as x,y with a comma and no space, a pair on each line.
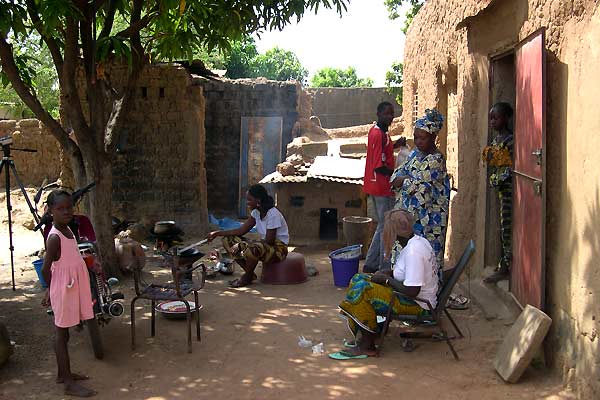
70,292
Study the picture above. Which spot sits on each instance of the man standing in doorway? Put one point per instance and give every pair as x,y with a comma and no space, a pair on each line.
379,167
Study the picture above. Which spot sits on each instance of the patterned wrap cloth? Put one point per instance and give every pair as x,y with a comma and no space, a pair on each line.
366,300
425,192
241,249
499,157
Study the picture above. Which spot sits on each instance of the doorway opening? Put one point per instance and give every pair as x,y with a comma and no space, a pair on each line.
328,224
502,89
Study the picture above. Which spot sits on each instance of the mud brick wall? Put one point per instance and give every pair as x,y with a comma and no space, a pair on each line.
32,168
342,107
301,204
159,172
447,65
227,101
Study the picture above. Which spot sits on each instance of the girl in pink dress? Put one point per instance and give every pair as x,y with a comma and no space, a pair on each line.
69,291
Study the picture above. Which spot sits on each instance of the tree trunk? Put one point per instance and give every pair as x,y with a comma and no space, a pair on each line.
99,169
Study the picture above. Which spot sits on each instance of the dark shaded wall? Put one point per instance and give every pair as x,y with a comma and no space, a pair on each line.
227,101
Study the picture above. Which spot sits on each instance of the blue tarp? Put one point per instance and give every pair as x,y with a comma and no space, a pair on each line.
226,223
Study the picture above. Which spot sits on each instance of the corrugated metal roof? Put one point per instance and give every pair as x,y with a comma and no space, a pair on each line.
276,177
338,180
337,167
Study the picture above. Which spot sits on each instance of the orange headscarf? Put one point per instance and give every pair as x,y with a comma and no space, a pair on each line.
397,223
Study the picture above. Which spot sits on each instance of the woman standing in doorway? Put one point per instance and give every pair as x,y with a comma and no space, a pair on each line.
422,185
499,157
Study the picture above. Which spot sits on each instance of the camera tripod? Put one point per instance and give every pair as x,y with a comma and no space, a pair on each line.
8,165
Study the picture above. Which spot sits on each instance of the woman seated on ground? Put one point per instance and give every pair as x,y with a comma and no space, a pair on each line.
273,231
414,274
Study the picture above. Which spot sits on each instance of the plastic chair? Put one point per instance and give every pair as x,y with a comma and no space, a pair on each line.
435,316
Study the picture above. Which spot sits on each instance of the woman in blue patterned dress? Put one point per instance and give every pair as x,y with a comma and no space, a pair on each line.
422,185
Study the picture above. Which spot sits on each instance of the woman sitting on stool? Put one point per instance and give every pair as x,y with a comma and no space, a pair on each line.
273,231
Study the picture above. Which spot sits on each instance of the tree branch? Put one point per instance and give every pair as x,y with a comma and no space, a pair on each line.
122,105
136,27
49,40
110,18
87,40
29,98
70,95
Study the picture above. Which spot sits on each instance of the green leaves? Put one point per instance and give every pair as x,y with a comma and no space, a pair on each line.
394,6
279,64
337,77
13,15
113,45
167,29
37,71
394,80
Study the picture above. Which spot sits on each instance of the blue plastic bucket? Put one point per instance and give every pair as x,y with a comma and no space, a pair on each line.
344,263
37,264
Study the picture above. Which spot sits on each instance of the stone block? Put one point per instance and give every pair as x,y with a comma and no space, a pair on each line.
313,149
521,343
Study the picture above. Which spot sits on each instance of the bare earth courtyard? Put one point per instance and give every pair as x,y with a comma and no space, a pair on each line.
249,346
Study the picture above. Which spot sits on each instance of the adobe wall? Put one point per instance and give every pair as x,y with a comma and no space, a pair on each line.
304,220
341,107
573,168
158,172
32,168
227,101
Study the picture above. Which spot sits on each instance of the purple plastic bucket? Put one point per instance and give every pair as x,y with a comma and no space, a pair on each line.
344,263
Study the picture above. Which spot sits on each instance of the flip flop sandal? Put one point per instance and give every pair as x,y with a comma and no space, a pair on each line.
344,355
458,302
238,283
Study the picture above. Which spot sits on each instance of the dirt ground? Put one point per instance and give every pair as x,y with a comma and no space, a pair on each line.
249,346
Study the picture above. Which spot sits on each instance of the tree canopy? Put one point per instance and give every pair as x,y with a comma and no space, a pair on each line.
337,77
280,65
89,34
242,60
394,6
43,79
394,80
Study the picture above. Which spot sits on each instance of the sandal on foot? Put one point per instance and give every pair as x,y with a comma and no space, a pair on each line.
344,355
76,377
76,390
238,283
458,302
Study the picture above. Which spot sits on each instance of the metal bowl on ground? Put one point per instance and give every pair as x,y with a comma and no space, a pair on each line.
176,309
225,266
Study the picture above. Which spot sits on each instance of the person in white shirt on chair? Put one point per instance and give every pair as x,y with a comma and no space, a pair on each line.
414,274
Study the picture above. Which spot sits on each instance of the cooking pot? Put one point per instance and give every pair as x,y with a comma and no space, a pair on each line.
162,227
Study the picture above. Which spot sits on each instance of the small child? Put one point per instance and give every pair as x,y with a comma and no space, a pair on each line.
69,291
273,230
499,157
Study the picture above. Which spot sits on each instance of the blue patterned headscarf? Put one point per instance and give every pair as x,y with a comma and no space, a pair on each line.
431,122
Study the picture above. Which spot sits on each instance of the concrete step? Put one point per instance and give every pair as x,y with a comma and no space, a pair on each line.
493,301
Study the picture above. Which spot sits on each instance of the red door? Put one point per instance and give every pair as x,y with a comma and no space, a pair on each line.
529,191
